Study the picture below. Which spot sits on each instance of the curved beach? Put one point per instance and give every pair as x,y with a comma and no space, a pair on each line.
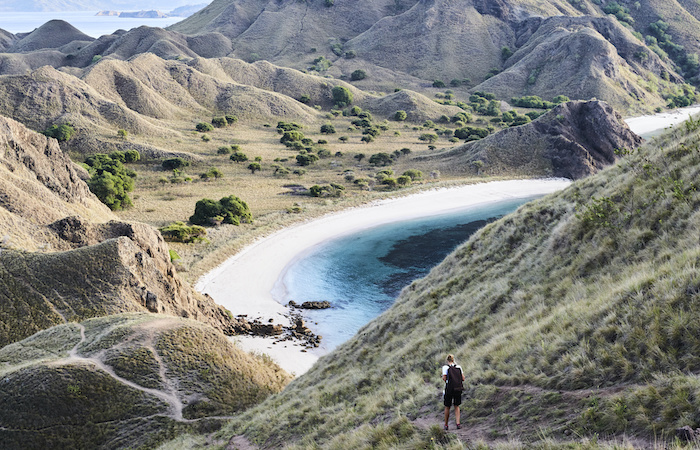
248,282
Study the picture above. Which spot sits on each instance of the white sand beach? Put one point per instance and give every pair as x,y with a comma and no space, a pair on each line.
655,124
248,282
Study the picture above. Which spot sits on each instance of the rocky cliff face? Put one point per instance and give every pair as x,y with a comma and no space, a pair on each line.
573,140
101,268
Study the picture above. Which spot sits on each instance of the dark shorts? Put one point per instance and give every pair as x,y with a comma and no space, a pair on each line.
453,398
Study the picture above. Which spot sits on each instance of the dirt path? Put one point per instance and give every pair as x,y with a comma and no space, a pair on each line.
168,395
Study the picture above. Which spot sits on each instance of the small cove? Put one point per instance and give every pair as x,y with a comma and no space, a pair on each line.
363,273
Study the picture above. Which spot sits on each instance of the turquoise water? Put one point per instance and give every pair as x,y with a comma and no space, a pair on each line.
87,22
362,274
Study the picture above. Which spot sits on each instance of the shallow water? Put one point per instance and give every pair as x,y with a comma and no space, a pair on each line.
362,274
85,21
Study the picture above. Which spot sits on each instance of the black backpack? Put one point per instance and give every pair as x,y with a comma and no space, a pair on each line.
454,378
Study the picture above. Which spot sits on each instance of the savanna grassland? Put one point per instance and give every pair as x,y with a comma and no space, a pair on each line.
278,193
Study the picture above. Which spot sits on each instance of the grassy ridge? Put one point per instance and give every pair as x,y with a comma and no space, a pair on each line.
581,303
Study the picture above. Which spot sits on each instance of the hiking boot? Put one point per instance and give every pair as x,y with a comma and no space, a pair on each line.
459,426
446,428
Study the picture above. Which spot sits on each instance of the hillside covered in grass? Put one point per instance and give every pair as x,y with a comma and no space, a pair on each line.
634,55
574,318
125,381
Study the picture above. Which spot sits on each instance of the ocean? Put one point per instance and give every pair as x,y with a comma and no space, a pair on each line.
361,275
85,21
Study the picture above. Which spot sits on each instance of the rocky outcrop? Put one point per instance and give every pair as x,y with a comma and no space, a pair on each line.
573,140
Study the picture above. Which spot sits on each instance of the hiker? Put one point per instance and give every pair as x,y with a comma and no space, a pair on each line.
453,377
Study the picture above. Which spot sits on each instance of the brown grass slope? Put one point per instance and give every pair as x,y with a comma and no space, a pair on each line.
6,39
126,381
52,34
40,185
573,140
102,268
581,56
575,317
584,58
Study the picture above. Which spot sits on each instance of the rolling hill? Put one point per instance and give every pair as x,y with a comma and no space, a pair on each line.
513,48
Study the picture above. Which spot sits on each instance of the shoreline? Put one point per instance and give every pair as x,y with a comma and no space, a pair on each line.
249,282
655,124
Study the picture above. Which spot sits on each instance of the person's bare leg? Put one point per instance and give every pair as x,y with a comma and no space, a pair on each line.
447,414
457,415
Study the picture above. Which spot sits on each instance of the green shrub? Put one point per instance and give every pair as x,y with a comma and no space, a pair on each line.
122,133
438,84
254,167
342,96
357,75
174,164
327,129
428,137
212,173
305,99
287,126
306,159
238,157
179,232
110,181
132,156
231,119
291,136
381,159
400,115
332,190
404,180
61,133
231,210
219,122
466,132
203,127
414,174
224,150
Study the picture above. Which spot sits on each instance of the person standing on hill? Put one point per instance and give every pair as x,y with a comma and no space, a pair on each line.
453,377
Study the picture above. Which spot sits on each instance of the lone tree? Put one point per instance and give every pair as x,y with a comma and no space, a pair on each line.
400,115
255,166
342,96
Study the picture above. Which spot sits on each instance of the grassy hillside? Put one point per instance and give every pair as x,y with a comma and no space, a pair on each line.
615,51
574,319
125,381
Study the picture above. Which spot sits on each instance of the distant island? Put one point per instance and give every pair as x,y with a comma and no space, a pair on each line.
182,11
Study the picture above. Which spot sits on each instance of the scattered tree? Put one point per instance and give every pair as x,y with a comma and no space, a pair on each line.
254,166
231,210
174,164
110,181
203,127
357,75
400,116
342,96
327,129
61,133
381,159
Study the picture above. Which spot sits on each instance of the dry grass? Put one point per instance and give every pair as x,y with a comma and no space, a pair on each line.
269,196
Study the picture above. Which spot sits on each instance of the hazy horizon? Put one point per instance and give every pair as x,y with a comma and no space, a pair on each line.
93,5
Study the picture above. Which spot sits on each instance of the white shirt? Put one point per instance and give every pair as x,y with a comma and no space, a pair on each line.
445,367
